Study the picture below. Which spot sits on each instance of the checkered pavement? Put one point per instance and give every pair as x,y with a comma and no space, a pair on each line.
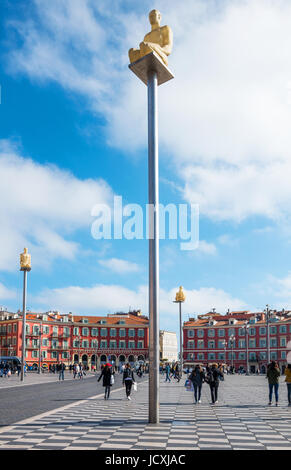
241,420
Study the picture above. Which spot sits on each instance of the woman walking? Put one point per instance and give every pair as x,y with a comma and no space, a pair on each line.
273,374
288,382
212,378
107,380
197,378
128,380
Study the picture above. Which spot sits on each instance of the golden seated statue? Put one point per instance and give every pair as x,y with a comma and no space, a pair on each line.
159,40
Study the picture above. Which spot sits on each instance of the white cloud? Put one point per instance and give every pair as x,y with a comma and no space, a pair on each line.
42,207
103,299
206,248
6,293
224,120
119,266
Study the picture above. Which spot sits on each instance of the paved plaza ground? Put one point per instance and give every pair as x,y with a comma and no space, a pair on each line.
242,419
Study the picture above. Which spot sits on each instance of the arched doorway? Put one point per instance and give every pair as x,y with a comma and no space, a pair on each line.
113,360
103,359
85,360
140,358
94,361
131,360
76,358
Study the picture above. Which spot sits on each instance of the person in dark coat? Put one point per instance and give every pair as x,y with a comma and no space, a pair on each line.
106,374
197,378
212,378
128,380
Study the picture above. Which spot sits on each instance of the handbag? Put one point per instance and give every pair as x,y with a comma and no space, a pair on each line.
112,380
135,386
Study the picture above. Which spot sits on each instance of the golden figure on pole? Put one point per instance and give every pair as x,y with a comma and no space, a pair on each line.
159,40
25,261
180,296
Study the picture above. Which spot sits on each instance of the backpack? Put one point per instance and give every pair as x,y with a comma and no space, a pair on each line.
127,373
210,377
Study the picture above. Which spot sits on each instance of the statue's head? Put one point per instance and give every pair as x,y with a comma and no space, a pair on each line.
155,17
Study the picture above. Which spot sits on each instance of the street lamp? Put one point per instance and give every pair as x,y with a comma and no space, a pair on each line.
39,347
232,340
224,342
246,328
268,314
25,266
180,298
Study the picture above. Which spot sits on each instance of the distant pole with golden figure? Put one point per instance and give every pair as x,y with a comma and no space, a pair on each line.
180,298
149,64
25,266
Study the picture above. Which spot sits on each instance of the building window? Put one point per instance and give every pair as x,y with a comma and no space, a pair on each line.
211,356
273,355
231,331
45,330
85,331
252,343
34,354
103,331
131,333
65,355
85,343
190,333
263,343
113,332
252,331
76,330
54,355
122,333
211,333
94,332
273,342
14,328
66,331
221,356
241,343
283,328
44,341
94,343
231,355
263,355
140,344
200,333
273,330
190,344
9,328
131,344
252,356
221,344
200,344
211,344
262,330
200,356
103,344
121,344
141,333
283,354
112,344
241,332
242,356
221,333
283,342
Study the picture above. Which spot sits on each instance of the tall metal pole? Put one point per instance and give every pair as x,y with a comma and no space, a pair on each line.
181,340
268,334
39,348
23,326
153,190
247,345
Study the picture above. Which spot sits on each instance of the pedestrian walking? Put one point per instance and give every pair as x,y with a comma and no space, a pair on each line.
273,374
168,371
197,378
108,379
288,382
128,380
81,371
212,378
61,370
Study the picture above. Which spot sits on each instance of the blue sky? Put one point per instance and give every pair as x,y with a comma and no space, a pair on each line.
73,134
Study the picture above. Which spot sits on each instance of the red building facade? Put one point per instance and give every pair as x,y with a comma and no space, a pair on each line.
222,338
116,338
